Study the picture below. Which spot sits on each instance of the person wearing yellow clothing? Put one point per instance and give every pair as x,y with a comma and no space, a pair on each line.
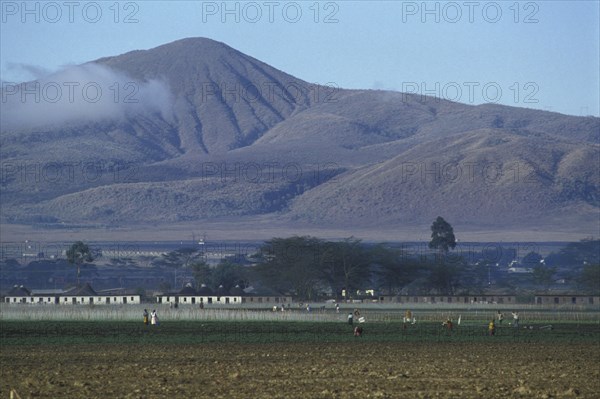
492,328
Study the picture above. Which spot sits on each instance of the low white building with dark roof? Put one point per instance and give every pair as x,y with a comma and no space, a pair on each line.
83,295
235,296
263,296
18,294
189,296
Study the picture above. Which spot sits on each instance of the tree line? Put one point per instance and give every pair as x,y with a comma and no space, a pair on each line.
311,268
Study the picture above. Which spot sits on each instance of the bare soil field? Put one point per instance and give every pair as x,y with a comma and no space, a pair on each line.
355,369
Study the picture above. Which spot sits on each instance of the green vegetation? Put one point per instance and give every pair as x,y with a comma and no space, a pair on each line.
442,236
78,254
313,269
308,266
590,277
75,332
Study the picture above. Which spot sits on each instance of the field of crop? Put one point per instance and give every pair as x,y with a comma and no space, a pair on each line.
477,313
194,332
283,359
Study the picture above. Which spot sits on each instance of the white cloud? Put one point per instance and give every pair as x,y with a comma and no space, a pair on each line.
80,94
31,71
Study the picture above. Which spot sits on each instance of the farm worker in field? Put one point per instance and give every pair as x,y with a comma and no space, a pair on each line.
500,317
515,316
448,324
154,318
492,328
350,318
146,316
358,331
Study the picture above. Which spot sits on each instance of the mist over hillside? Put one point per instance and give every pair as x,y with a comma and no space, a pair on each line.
194,130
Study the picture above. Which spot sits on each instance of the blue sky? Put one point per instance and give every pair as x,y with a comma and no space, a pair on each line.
535,54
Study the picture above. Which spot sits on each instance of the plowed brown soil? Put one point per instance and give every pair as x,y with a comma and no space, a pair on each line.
348,370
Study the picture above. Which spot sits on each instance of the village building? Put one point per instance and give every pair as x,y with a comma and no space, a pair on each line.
190,296
567,299
83,295
18,294
450,299
252,295
235,296
86,295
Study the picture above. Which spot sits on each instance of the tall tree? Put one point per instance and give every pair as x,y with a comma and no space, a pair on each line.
543,274
394,268
442,236
351,263
590,278
577,254
532,259
78,254
180,258
228,275
476,277
292,264
443,276
201,272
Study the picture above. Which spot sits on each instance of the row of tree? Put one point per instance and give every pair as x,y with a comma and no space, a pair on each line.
308,266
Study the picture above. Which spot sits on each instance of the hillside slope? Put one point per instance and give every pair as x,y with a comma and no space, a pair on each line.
217,133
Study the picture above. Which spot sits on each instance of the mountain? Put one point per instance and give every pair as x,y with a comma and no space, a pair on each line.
195,130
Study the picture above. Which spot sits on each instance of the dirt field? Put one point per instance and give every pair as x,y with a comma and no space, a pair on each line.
303,370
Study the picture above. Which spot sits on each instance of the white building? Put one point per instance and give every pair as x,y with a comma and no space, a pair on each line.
84,295
189,296
204,295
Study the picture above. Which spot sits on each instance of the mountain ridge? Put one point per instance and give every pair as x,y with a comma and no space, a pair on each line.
219,133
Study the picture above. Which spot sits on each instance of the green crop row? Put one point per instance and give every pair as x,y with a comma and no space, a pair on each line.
185,332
